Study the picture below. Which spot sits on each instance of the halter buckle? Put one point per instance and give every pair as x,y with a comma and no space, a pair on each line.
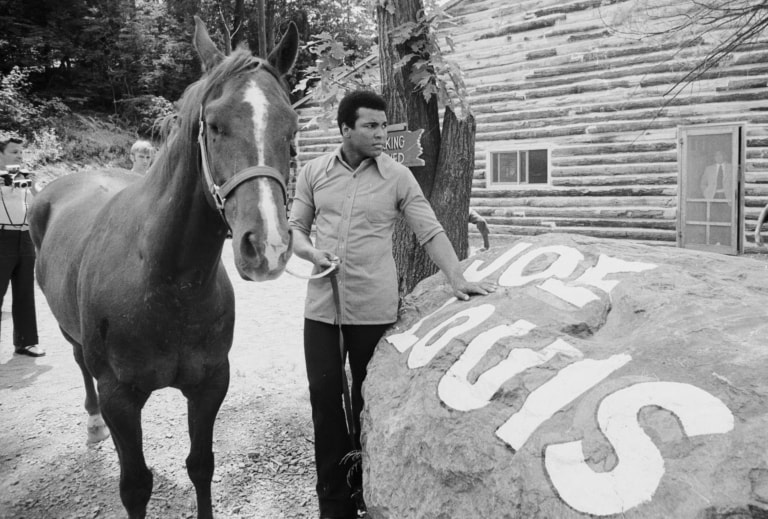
217,198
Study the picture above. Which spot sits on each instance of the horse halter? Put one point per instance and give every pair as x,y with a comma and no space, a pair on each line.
220,193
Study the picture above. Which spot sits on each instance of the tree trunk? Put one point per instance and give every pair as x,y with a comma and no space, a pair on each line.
453,186
405,104
263,52
271,26
238,19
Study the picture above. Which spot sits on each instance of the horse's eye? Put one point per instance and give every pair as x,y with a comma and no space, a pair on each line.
215,127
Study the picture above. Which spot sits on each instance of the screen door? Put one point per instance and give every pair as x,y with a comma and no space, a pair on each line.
710,188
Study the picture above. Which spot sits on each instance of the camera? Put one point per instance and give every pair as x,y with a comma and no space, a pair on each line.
17,177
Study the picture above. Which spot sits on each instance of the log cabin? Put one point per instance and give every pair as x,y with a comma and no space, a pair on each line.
587,124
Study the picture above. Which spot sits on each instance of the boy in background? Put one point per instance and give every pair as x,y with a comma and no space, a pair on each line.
142,153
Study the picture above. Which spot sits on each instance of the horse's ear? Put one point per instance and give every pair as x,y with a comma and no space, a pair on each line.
210,56
284,55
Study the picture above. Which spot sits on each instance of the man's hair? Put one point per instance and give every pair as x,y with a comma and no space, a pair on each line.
347,113
4,143
142,145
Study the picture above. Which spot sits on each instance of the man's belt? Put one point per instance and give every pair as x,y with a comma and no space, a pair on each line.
10,227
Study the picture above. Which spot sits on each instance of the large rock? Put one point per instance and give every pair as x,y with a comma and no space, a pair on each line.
602,378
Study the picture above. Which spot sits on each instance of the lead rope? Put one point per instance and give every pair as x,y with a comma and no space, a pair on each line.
331,273
313,276
351,429
355,455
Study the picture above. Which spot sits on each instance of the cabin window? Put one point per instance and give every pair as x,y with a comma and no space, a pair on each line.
510,168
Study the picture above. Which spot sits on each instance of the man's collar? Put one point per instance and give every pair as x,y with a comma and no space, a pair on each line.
384,163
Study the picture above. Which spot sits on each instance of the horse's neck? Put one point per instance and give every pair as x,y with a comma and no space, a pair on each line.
184,233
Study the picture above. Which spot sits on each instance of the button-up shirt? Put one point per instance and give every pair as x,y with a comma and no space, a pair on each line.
14,202
354,211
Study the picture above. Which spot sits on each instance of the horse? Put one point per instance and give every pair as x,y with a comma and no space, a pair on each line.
132,268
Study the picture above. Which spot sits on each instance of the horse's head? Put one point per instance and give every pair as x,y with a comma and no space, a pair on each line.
247,129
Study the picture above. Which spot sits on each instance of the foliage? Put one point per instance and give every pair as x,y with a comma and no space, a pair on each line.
95,138
94,54
142,112
91,54
333,74
20,111
16,109
338,69
44,148
432,72
153,54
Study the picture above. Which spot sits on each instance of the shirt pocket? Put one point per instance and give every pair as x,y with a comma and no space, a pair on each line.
380,208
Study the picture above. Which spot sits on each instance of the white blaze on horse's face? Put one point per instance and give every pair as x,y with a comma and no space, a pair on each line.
274,243
258,101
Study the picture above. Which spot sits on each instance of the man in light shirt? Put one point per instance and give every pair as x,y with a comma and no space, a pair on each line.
17,253
354,196
717,180
718,183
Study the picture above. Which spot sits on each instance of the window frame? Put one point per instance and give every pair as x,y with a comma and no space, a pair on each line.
489,157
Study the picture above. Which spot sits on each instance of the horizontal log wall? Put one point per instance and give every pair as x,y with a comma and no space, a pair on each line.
564,75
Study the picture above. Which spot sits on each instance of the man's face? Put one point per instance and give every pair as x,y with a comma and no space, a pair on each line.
11,156
369,136
719,157
141,161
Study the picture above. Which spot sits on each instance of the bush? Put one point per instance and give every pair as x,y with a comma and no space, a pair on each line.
16,110
141,112
22,112
44,148
95,139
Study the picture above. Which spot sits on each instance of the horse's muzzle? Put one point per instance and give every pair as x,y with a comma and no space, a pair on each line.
258,259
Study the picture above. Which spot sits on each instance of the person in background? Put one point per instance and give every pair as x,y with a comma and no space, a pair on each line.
354,196
142,153
482,227
17,253
717,181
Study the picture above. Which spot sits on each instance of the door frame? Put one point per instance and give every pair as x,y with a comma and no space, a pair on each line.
738,153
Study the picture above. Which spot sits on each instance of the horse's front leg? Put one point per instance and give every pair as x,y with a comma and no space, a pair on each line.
97,429
203,403
121,407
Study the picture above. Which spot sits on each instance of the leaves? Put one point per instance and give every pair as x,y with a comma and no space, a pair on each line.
430,71
336,70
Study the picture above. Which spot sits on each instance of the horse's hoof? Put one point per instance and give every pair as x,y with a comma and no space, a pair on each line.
97,429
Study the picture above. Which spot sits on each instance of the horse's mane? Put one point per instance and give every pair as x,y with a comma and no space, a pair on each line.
184,124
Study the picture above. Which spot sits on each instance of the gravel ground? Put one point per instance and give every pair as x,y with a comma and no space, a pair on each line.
263,435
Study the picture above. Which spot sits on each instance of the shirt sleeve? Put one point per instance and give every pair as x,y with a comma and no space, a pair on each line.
474,217
416,209
303,207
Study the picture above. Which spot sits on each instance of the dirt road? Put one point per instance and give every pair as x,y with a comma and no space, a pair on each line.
263,435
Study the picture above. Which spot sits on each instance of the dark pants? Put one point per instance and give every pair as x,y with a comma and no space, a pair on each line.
17,266
324,372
